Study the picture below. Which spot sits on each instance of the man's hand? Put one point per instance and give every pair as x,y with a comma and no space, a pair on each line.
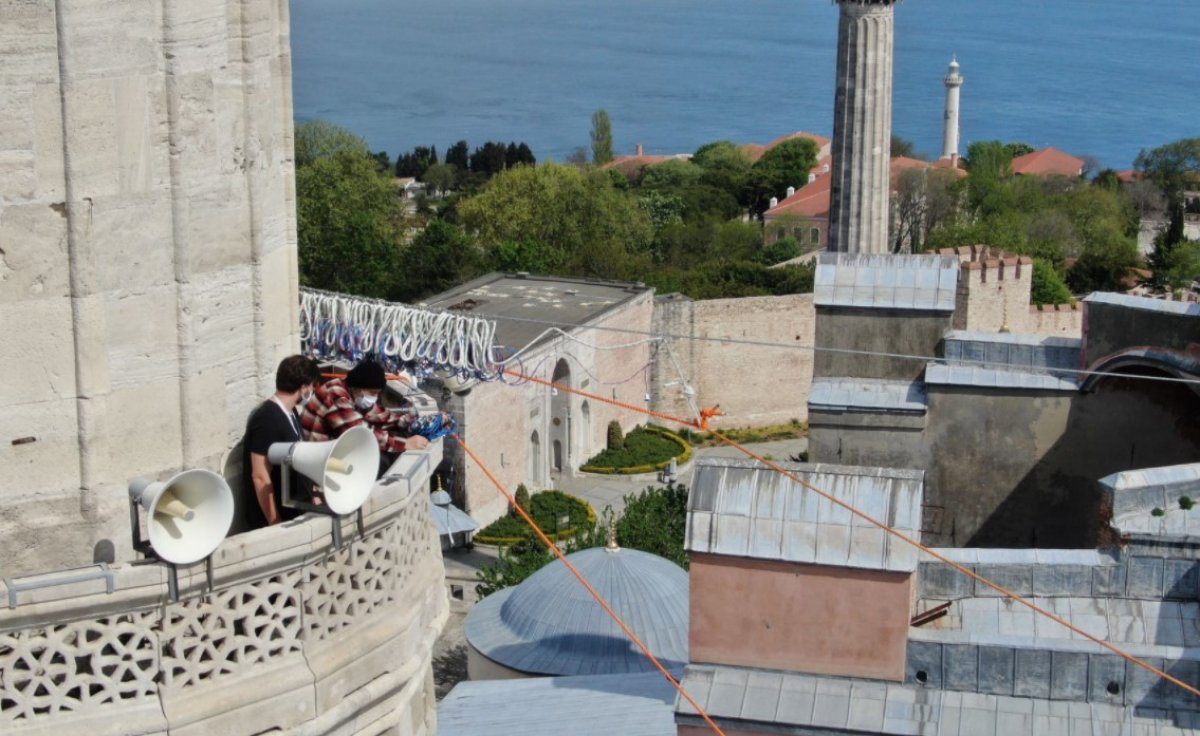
416,442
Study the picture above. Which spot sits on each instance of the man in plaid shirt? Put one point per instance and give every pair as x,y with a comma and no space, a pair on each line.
340,404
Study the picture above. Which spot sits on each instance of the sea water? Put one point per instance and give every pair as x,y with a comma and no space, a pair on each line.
1103,78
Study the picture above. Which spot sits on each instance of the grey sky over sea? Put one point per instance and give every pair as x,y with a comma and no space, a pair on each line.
1094,77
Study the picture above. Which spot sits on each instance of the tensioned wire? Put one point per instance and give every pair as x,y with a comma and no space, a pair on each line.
848,507
466,342
843,351
616,617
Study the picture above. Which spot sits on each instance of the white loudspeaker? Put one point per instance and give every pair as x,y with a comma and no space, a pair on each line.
345,468
187,516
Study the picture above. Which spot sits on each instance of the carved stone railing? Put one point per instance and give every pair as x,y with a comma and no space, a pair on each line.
294,635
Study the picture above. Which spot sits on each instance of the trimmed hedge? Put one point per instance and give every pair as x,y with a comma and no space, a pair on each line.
636,449
544,507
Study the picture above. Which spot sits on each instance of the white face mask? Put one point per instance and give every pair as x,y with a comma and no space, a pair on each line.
366,402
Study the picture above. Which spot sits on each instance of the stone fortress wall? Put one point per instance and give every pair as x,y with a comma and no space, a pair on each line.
147,252
755,386
994,290
759,386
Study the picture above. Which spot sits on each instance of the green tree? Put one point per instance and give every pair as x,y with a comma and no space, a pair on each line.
616,437
578,212
1017,149
347,217
725,167
654,521
1047,286
602,138
663,208
437,259
786,165
317,139
903,147
1104,265
522,497
1181,266
526,255
440,178
672,174
1174,167
781,250
459,156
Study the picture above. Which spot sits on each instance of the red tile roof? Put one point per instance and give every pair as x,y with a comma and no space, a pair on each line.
631,165
1130,175
1048,161
755,151
810,200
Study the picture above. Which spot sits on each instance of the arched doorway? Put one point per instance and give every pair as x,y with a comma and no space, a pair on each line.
534,471
560,418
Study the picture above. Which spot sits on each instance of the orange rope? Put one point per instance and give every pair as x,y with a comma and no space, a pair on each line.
898,534
599,598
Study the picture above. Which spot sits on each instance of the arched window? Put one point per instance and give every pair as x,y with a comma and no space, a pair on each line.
815,235
560,418
535,459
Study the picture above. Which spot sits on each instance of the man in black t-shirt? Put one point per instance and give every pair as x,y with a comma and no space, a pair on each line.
275,420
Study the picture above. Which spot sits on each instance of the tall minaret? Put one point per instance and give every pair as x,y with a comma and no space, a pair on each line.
954,81
862,128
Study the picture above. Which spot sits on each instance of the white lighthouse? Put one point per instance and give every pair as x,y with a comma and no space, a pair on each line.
954,82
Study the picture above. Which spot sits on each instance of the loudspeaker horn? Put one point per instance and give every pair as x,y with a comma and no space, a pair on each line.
187,516
345,469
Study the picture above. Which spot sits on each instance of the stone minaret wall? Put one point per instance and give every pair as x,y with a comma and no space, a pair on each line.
148,279
862,128
954,82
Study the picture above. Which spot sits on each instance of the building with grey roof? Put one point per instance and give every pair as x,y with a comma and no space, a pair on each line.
964,659
586,705
551,625
1014,431
530,433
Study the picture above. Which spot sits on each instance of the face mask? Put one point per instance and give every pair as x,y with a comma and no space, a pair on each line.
366,402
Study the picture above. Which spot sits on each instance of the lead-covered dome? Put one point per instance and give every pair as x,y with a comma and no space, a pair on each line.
551,625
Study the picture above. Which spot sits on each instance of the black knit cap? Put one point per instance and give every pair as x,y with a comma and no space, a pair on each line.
367,374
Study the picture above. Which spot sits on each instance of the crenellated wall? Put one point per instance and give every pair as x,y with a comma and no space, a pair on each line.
994,289
148,280
295,636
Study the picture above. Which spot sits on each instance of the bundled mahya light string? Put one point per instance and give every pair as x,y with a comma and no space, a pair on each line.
339,327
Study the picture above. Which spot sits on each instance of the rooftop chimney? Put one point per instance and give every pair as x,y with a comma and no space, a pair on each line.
773,203
791,191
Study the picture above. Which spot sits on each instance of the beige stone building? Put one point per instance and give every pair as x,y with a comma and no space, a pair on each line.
561,330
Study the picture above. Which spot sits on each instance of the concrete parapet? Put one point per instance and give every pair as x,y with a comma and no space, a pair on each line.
294,635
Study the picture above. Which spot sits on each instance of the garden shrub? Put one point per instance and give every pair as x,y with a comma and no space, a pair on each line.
616,438
522,497
645,447
545,508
